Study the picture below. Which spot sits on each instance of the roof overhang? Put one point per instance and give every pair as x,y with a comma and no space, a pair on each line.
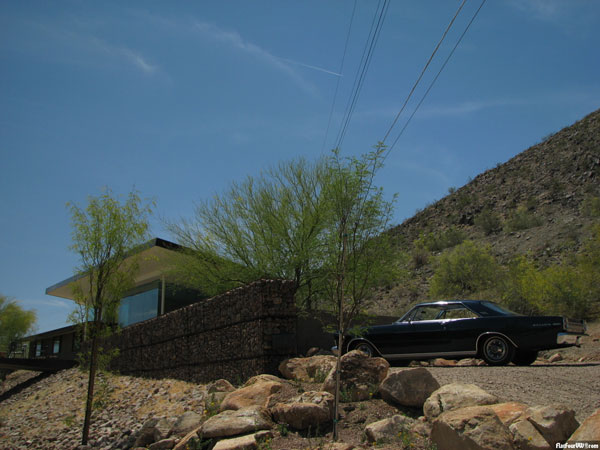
154,259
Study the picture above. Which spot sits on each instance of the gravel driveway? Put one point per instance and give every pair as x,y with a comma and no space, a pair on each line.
575,386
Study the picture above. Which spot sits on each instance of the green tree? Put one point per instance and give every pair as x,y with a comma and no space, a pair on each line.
103,234
466,269
265,226
359,256
15,322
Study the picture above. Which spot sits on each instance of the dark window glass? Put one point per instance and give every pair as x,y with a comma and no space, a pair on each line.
139,306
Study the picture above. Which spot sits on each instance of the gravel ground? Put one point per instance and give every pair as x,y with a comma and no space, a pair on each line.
576,386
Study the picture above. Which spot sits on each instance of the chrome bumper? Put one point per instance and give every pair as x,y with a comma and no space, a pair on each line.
566,338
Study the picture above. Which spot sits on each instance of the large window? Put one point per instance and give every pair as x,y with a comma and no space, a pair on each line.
140,305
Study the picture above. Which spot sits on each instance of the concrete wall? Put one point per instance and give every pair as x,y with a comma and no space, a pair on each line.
235,335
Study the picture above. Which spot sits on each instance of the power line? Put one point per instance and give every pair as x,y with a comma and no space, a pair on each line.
376,26
437,76
341,71
423,71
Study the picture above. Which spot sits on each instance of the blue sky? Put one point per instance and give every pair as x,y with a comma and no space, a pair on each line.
178,99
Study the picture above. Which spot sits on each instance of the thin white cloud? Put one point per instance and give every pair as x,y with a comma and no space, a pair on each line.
126,54
540,9
49,302
236,41
465,108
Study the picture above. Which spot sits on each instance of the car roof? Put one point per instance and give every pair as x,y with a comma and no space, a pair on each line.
453,302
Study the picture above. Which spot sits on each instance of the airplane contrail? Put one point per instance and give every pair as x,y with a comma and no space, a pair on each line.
311,67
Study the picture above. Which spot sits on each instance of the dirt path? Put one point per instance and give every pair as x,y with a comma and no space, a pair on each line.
576,386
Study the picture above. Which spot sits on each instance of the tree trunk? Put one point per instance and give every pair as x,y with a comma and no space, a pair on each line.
91,380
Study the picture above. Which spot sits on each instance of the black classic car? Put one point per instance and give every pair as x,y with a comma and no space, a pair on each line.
467,328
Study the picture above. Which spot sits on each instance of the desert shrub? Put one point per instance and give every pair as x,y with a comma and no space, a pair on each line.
465,269
522,219
420,257
488,221
571,290
590,206
435,242
522,287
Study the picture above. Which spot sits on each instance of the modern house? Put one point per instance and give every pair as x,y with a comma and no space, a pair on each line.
153,295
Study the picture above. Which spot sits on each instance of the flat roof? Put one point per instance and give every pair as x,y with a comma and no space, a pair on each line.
152,265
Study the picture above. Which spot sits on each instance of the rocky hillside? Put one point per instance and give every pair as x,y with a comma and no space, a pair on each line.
541,202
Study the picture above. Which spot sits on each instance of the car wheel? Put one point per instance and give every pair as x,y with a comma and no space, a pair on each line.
497,351
524,357
365,348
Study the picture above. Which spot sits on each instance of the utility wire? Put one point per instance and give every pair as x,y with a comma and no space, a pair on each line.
376,26
341,71
423,71
436,77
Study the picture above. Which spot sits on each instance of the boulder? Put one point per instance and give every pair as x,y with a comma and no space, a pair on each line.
186,423
262,378
510,412
255,394
248,442
309,410
410,387
163,444
215,392
360,376
307,369
589,429
219,386
441,362
555,358
235,422
388,430
454,396
470,428
555,423
527,437
152,430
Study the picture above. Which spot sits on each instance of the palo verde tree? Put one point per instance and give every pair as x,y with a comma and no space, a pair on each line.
103,234
266,226
359,255
15,322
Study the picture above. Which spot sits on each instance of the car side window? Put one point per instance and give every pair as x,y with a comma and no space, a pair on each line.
459,313
425,313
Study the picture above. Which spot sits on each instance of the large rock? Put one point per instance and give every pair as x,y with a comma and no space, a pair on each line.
527,437
256,394
410,387
262,378
216,392
186,423
471,428
510,412
309,410
589,429
388,430
555,423
153,430
360,376
454,396
307,369
236,422
248,442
